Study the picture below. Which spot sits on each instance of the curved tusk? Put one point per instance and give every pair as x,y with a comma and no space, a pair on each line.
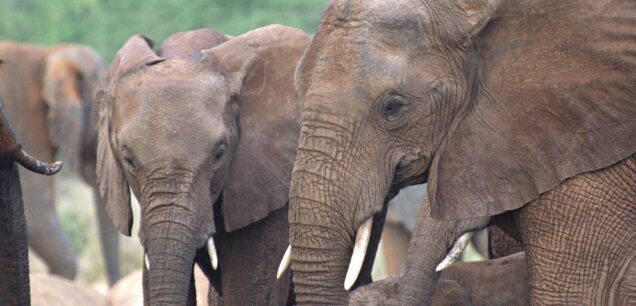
147,262
458,247
214,260
29,162
284,264
359,252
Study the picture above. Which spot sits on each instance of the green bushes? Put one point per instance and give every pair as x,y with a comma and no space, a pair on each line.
106,24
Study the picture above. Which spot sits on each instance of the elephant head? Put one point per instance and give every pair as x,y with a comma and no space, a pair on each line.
490,113
204,130
71,75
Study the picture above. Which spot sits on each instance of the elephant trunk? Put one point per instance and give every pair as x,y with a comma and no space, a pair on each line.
170,261
319,258
430,243
329,214
170,244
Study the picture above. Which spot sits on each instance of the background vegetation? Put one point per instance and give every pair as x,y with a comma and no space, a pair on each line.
107,24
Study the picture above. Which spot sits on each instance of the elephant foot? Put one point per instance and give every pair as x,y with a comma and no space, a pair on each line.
386,293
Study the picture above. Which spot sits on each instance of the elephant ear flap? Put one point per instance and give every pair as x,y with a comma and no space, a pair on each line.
111,180
62,86
135,54
528,128
262,63
479,12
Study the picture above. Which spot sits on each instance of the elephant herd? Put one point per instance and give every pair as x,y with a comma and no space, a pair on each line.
269,159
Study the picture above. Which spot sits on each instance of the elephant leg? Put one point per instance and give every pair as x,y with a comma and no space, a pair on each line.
580,240
46,237
249,259
14,269
108,238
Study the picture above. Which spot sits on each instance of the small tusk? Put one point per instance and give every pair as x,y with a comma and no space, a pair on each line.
147,262
284,264
359,252
214,260
458,247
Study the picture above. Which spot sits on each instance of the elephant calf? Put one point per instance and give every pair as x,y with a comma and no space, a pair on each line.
204,131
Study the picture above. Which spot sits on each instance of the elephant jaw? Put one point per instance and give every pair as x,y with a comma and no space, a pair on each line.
363,235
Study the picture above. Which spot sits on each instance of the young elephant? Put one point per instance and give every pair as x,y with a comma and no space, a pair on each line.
205,132
48,92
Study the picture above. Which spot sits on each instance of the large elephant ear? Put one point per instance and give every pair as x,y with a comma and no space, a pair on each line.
111,180
71,74
62,92
261,66
557,98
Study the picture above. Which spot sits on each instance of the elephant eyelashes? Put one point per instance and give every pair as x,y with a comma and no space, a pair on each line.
129,162
391,107
220,151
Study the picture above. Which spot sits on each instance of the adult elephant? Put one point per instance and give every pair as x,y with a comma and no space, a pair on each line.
14,267
48,91
529,118
205,132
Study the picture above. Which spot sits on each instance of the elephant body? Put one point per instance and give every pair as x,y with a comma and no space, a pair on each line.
48,91
14,266
502,281
518,114
204,131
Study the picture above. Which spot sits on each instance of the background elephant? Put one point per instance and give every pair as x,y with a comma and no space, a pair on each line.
204,131
48,91
528,118
14,269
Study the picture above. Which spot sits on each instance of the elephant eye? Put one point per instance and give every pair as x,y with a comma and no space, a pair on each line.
129,162
392,106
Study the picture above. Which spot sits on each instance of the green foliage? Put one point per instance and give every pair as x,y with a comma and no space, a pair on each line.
107,24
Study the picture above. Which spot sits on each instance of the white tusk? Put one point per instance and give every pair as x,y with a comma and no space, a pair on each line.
359,252
147,262
458,247
214,260
284,264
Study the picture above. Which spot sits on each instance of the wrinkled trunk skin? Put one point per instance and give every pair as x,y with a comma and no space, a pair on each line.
323,220
170,247
430,242
14,262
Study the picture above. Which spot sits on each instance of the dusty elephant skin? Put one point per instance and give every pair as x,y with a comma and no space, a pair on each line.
523,109
497,282
14,259
204,131
48,92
